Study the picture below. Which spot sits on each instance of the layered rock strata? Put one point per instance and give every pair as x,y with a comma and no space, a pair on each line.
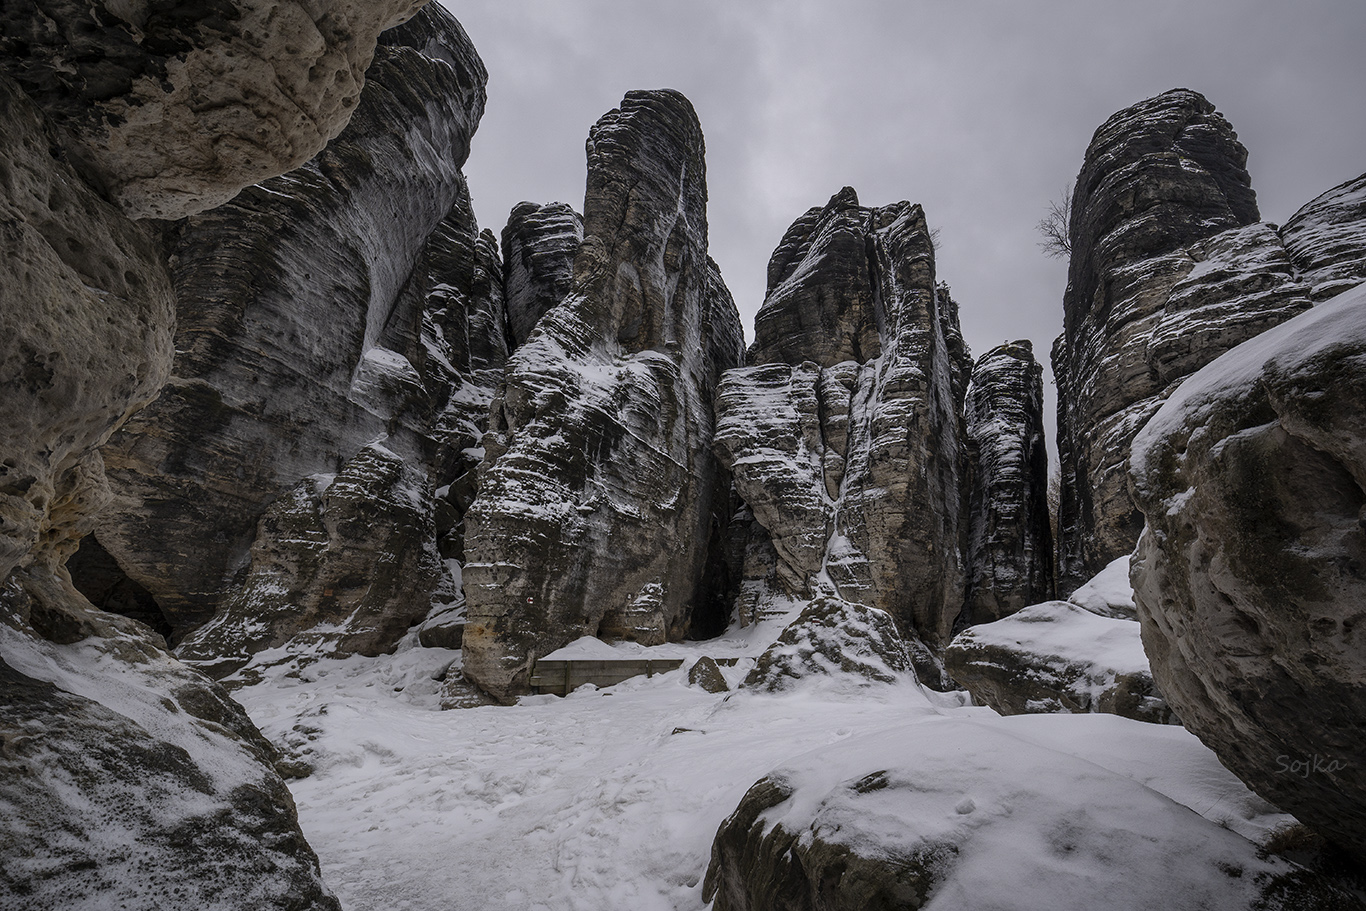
845,432
599,495
169,110
539,245
1010,541
1326,239
352,301
1250,575
1169,269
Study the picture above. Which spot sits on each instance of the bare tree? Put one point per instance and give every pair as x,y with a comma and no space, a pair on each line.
1056,226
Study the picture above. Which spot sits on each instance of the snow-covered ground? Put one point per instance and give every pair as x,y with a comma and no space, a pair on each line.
609,799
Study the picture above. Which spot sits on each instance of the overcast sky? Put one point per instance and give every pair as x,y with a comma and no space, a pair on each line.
980,110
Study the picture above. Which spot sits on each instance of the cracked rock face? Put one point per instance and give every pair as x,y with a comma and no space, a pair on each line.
1250,576
172,109
1170,268
1010,543
351,300
1326,240
845,432
599,494
539,245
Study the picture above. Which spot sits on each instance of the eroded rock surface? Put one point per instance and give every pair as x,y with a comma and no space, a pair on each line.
599,495
833,644
1170,268
1251,573
174,109
1010,543
845,432
1326,239
1057,657
351,300
539,245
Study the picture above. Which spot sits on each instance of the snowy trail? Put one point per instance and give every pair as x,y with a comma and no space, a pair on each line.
604,800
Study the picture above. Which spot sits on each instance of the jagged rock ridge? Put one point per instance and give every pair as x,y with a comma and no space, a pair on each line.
598,497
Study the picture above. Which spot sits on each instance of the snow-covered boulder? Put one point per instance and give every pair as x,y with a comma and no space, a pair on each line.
1250,577
958,814
1108,593
1057,657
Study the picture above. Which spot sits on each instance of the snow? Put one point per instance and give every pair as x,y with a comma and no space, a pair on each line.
609,799
1108,593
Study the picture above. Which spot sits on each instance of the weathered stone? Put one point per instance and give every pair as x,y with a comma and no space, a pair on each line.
833,643
1057,657
539,245
100,579
935,813
174,109
599,495
1251,573
341,565
1326,239
1108,593
845,435
85,338
705,673
351,298
444,627
128,780
1169,269
1010,542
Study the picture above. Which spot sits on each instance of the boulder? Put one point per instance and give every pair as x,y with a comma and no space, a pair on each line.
170,110
1249,576
599,498
1169,269
1010,541
706,674
1108,593
845,431
1057,657
959,815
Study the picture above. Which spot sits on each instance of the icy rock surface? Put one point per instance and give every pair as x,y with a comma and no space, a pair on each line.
955,814
172,110
845,432
1010,543
128,780
346,300
599,496
539,245
1248,577
1169,269
1057,657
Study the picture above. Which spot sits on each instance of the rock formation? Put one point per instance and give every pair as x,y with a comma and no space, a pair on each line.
350,302
834,644
129,779
539,245
599,497
1057,657
1249,575
1010,543
845,431
172,110
1169,269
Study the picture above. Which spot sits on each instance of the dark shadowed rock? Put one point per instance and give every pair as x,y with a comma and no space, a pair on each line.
172,109
351,300
341,565
1326,239
1250,577
1057,657
1010,542
1169,269
539,245
845,433
705,673
599,492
